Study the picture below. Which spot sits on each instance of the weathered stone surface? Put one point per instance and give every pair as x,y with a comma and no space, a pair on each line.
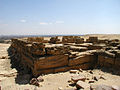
91,81
117,63
54,39
42,56
35,39
34,81
105,61
92,39
81,59
73,71
114,87
61,69
103,87
106,54
40,72
76,78
40,79
96,78
56,50
79,40
83,85
51,62
80,49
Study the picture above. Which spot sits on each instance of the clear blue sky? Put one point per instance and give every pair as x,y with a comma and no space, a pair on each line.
21,17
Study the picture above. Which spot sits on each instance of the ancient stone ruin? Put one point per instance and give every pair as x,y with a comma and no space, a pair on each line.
71,52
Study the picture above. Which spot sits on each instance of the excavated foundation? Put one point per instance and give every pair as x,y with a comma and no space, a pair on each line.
43,56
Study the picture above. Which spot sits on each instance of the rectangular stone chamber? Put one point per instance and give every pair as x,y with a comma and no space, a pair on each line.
43,56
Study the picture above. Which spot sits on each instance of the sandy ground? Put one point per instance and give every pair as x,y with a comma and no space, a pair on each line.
58,81
104,36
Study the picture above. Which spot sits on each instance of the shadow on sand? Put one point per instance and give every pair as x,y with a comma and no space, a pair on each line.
23,73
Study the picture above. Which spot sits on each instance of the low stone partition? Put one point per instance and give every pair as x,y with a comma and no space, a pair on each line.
43,57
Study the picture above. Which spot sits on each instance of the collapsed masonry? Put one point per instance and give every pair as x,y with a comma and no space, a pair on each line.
71,52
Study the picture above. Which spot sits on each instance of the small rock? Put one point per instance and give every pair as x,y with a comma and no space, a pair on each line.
69,81
114,87
71,89
40,79
93,87
80,70
91,72
96,78
34,81
60,88
101,77
87,78
82,85
73,71
76,78
3,57
91,81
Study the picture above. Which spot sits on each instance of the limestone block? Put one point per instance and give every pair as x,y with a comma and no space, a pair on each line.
51,62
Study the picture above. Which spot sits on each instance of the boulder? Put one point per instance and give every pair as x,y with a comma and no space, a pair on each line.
82,85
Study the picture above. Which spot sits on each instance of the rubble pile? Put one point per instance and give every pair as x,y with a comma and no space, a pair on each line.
86,79
72,52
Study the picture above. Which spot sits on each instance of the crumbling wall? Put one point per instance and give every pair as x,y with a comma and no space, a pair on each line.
72,52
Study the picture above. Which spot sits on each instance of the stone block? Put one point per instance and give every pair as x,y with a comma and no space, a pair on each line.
81,59
51,62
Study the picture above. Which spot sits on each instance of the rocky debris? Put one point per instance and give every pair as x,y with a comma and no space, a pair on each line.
72,39
92,40
93,87
96,78
91,81
78,49
34,81
60,88
73,71
4,57
80,70
76,78
54,40
40,79
103,87
114,87
58,49
102,77
35,39
91,72
70,89
83,85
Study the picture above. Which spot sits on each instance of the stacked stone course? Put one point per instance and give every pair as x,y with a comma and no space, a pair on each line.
72,52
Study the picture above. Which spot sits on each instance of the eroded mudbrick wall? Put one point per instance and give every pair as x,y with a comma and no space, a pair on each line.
44,56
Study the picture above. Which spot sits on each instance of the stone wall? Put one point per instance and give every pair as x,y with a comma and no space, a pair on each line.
43,57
